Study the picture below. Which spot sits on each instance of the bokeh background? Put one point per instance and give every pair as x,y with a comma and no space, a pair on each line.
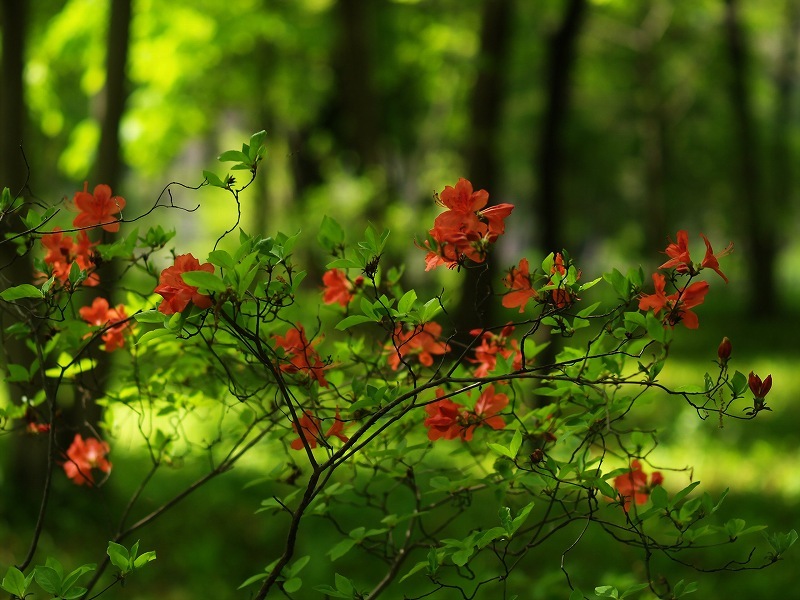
610,124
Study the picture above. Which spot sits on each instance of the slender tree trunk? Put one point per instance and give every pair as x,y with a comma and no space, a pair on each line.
486,108
549,166
14,269
357,101
561,59
781,152
758,212
653,122
108,170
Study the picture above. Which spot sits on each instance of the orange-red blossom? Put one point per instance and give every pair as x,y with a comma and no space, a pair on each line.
421,342
62,252
176,292
466,229
98,208
449,420
300,356
311,431
677,306
83,456
115,319
633,486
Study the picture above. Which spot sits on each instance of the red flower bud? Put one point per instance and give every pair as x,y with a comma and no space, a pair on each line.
759,388
724,350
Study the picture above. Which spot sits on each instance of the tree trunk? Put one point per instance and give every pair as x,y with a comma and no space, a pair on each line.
485,110
757,214
107,170
561,59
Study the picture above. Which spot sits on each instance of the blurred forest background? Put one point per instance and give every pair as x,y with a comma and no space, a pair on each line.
610,124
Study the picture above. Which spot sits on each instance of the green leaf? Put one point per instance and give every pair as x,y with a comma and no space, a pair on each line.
516,443
576,594
204,281
214,180
151,335
18,292
606,591
353,320
233,156
342,548
406,303
15,582
655,329
144,558
659,497
634,588
683,493
48,579
221,258
119,556
70,579
292,585
330,233
17,373
149,316
501,450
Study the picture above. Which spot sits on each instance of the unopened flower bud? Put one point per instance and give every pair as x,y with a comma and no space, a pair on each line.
759,388
724,351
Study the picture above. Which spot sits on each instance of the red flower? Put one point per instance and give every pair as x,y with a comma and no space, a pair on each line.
518,281
466,229
679,254
491,345
83,456
561,296
444,418
485,412
422,342
176,292
99,314
759,388
680,259
449,420
677,305
62,252
633,486
300,355
98,208
710,259
338,288
311,431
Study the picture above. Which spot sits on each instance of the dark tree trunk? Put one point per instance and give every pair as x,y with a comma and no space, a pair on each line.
549,214
757,214
108,164
782,157
107,170
561,59
486,104
14,269
357,101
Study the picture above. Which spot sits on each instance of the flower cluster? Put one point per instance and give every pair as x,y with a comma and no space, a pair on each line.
83,456
63,252
633,486
300,356
421,342
98,208
677,306
466,229
311,431
115,320
176,292
338,288
95,210
449,420
491,345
